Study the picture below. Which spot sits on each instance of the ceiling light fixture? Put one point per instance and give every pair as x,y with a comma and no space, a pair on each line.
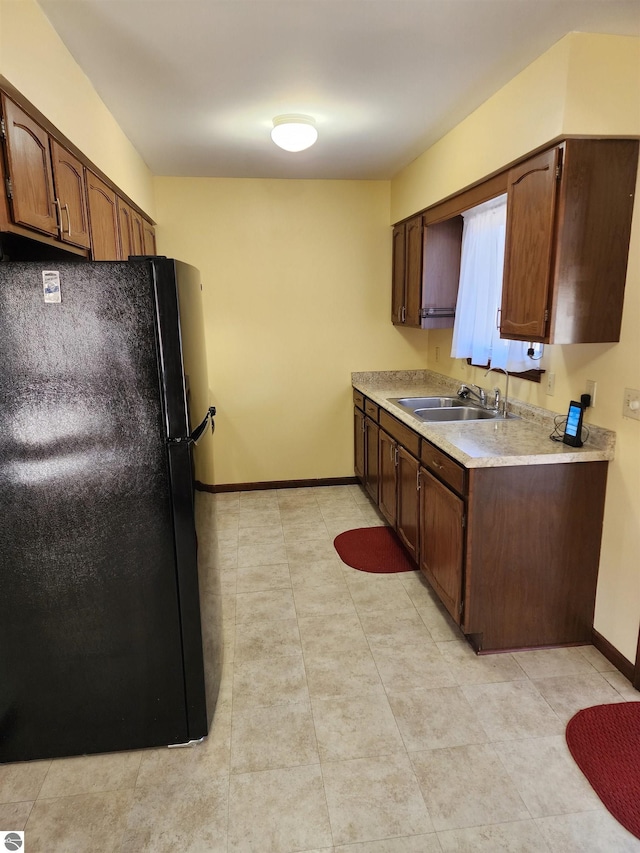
294,132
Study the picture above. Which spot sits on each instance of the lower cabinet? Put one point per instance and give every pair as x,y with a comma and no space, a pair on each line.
408,512
371,458
358,442
442,518
366,446
512,552
532,536
388,473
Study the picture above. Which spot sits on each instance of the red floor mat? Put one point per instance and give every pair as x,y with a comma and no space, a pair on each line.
373,549
605,743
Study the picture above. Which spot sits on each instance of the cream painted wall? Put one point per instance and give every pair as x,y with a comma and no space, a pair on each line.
606,103
36,62
592,86
525,113
296,293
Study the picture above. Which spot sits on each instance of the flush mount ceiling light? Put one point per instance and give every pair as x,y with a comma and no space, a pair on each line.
294,132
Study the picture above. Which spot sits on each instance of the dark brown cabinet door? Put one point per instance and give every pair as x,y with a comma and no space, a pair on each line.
358,444
406,282
137,233
371,431
408,501
413,282
530,238
30,171
149,238
398,274
71,193
125,225
441,541
388,476
103,218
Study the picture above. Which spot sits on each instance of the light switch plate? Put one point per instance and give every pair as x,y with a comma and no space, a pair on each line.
631,406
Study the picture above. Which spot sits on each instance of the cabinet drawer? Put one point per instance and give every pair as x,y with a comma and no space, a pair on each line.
371,409
358,400
444,467
402,434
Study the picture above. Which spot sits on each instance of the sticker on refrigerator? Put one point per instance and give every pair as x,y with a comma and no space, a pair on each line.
51,286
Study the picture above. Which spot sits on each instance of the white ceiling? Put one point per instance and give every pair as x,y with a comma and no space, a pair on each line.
195,83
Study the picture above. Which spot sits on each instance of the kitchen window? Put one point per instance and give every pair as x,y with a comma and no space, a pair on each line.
475,332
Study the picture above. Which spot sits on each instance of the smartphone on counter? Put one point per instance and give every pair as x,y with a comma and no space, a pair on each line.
573,427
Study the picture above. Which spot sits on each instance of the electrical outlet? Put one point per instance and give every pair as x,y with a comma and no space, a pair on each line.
590,388
551,384
631,405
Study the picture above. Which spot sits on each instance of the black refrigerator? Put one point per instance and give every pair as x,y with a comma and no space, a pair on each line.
110,634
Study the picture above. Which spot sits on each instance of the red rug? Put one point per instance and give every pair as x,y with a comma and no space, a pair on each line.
605,742
373,549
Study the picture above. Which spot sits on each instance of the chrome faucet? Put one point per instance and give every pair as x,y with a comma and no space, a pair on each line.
480,394
501,403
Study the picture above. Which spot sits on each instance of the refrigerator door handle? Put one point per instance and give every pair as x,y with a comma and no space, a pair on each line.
199,431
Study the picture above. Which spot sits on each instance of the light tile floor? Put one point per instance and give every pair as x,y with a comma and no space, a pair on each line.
353,718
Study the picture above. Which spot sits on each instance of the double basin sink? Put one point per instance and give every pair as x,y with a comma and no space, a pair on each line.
440,409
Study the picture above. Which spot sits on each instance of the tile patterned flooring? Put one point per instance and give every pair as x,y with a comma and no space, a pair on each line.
353,718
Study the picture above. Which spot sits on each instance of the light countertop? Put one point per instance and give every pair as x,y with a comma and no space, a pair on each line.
484,443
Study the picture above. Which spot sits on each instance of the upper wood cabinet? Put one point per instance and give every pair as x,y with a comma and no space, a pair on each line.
568,228
441,273
103,214
132,235
398,274
30,174
406,299
53,196
137,233
149,238
125,225
71,196
426,270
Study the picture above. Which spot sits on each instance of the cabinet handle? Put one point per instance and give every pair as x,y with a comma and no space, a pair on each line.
66,207
436,465
395,460
418,480
403,316
59,209
498,318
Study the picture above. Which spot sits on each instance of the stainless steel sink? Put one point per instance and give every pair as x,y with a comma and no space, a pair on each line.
414,403
457,413
442,409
